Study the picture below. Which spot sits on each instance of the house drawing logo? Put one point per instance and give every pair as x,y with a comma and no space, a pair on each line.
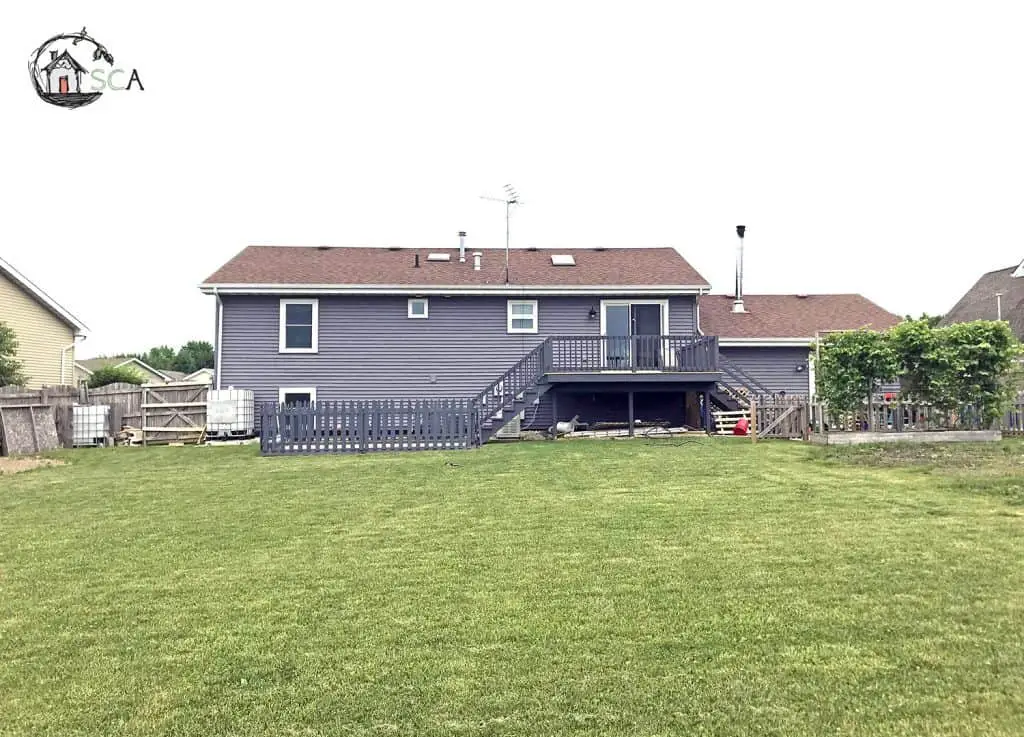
71,70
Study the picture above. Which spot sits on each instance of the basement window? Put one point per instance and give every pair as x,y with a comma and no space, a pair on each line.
418,308
563,259
296,397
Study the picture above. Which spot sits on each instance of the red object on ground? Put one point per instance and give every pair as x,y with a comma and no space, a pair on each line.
742,427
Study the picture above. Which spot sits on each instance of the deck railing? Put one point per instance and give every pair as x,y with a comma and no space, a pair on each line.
671,353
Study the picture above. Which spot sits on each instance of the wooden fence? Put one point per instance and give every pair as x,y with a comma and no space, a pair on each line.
781,417
162,414
363,426
124,400
175,413
60,398
896,416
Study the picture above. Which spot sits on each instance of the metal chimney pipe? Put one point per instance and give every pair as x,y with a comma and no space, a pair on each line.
416,263
737,305
462,246
476,260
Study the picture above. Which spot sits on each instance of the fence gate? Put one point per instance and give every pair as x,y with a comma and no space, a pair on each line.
173,413
779,417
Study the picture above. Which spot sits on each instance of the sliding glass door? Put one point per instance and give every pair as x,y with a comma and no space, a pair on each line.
632,331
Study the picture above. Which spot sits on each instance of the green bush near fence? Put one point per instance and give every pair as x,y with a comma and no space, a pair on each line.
973,363
114,375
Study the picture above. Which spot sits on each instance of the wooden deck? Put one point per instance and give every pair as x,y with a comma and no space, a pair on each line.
634,359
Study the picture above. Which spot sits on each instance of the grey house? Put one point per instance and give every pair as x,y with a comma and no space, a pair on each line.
997,295
618,333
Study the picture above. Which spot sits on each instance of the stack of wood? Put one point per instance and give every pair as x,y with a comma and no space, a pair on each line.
129,436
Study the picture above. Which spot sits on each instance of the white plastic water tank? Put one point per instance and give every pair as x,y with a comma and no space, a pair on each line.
230,412
89,424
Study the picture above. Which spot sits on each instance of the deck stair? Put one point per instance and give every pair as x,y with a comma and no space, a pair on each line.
520,387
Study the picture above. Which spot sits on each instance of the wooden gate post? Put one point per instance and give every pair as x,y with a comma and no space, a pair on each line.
145,401
753,419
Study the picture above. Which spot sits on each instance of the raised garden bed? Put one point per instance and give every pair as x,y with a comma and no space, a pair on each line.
918,436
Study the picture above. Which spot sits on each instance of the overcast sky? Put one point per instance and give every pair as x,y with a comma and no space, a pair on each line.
872,148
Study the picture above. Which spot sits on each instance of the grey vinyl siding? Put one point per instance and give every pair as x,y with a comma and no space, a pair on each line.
773,367
369,348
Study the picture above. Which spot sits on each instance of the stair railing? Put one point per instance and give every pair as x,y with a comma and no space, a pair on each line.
524,374
740,376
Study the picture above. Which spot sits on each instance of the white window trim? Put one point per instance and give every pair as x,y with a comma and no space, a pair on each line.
426,308
282,391
536,316
282,333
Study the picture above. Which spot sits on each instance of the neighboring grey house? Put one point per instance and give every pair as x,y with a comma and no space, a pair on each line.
997,295
619,328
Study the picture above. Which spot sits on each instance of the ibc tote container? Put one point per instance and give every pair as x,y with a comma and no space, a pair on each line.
89,425
230,412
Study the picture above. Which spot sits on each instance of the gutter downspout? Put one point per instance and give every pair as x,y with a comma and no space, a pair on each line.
63,353
700,293
218,331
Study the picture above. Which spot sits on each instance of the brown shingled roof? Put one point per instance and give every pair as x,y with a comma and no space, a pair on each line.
980,301
362,266
790,316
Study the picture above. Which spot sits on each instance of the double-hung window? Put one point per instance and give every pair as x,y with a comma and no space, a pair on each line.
522,316
299,323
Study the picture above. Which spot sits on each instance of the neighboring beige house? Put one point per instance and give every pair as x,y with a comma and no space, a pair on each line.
45,331
153,377
202,376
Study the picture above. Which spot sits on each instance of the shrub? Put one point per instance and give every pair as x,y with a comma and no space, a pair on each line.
852,364
966,363
113,375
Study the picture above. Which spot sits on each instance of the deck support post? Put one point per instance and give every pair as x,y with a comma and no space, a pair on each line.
554,411
707,412
631,421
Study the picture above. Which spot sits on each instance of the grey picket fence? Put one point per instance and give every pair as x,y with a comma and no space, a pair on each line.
368,425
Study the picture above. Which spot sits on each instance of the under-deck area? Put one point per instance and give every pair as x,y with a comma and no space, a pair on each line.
631,405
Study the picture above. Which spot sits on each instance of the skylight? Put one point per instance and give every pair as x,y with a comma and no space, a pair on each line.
563,259
439,257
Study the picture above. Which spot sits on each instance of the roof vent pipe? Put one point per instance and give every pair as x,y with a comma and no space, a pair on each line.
476,260
416,263
462,246
737,305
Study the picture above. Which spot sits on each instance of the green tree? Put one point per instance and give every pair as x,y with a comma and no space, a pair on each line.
159,357
852,364
931,320
194,355
986,353
11,369
115,375
928,363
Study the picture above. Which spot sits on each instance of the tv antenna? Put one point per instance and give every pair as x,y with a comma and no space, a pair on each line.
511,198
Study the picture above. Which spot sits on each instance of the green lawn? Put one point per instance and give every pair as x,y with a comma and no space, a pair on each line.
713,587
